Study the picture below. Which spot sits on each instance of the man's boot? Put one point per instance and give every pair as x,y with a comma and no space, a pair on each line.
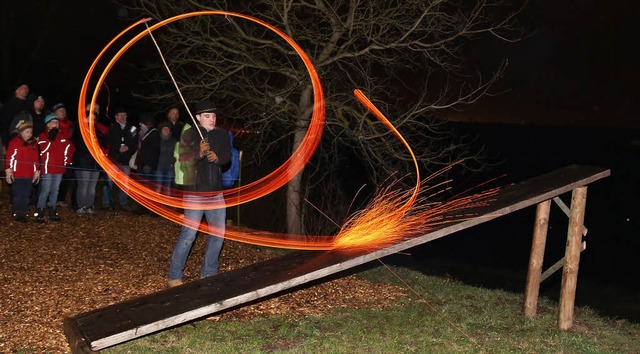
38,216
53,214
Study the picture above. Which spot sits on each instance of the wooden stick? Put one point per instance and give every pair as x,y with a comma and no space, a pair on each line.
532,287
572,258
565,209
558,265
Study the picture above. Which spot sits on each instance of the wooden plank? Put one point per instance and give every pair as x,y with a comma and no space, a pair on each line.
77,341
154,312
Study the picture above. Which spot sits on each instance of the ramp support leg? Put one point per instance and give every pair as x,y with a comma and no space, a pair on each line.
532,286
572,258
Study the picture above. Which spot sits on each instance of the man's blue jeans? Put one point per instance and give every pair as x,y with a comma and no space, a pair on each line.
48,190
164,178
216,218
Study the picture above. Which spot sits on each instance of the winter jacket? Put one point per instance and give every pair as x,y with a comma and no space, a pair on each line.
66,128
185,153
167,146
82,158
208,174
38,122
22,157
149,152
55,153
119,136
10,109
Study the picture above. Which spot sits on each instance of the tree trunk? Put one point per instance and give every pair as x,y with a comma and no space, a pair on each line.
294,187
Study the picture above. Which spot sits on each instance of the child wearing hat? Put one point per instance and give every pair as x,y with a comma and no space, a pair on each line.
56,152
22,168
66,125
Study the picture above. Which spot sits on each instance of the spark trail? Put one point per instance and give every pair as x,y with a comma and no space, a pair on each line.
392,215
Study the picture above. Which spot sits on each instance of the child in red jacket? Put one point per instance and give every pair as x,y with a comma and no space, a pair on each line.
22,168
56,152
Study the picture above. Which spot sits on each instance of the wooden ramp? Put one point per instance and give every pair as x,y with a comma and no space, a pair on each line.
111,325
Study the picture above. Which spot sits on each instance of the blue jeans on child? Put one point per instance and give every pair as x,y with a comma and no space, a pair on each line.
20,191
216,218
48,190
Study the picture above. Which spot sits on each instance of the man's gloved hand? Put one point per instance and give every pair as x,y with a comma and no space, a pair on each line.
211,156
206,152
204,148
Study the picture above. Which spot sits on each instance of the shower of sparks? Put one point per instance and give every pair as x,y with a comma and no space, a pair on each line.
391,216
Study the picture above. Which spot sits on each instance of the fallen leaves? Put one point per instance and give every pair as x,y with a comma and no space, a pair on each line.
58,269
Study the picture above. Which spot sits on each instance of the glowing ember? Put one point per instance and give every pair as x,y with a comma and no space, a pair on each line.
385,222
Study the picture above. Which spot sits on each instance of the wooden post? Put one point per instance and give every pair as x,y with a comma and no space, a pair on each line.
572,258
532,286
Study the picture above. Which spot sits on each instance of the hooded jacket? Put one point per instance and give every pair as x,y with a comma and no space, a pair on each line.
22,157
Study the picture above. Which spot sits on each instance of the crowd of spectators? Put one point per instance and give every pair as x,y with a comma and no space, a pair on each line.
48,164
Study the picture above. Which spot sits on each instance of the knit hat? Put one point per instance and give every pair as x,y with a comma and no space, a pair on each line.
22,125
119,109
205,106
147,119
164,124
57,106
50,117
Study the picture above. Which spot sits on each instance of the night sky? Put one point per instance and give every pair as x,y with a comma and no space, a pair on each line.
576,67
52,44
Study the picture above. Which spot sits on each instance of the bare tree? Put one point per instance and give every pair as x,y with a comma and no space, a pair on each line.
408,56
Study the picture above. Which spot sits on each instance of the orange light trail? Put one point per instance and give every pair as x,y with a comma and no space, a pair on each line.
391,216
394,215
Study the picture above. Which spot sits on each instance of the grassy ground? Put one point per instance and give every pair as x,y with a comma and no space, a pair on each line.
455,318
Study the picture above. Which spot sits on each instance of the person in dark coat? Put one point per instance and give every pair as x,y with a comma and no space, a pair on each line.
166,159
86,168
215,151
173,118
16,104
148,152
122,145
38,114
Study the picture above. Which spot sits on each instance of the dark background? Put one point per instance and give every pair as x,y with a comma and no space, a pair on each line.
575,65
567,97
50,45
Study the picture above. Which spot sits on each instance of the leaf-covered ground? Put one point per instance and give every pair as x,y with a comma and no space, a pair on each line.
59,269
